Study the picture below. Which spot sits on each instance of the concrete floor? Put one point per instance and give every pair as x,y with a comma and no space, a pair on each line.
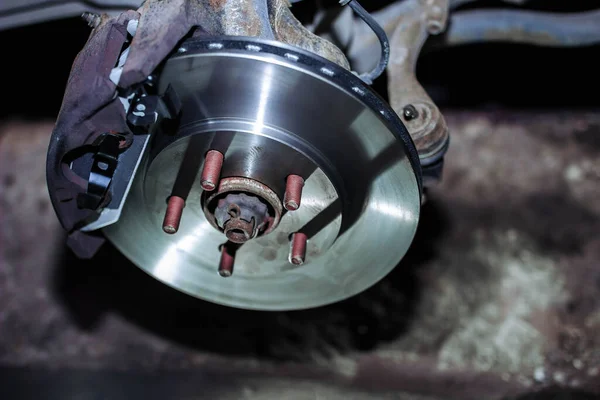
499,296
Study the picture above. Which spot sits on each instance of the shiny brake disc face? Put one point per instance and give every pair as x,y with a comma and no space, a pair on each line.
273,111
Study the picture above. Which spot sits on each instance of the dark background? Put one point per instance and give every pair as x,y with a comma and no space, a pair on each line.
495,78
38,60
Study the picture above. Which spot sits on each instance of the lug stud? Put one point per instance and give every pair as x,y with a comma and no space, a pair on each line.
173,214
211,172
227,260
293,192
298,248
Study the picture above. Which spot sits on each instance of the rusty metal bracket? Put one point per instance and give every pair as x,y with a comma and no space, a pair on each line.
421,116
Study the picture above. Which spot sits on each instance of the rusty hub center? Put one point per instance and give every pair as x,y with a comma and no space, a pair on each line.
242,217
242,208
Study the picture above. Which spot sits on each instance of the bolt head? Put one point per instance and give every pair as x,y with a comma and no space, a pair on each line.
409,112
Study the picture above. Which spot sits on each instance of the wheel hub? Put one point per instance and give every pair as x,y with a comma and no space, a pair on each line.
242,208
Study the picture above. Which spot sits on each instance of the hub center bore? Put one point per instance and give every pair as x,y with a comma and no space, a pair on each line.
242,208
241,216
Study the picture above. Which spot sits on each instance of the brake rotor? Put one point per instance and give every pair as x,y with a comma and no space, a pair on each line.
272,111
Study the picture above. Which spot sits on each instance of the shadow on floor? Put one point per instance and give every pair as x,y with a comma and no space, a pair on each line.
556,393
110,283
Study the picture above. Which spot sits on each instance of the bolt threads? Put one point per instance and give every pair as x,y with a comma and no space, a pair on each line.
173,214
211,171
293,192
227,260
298,250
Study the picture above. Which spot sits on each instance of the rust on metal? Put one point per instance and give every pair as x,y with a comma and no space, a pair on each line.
173,214
248,186
227,260
217,4
211,170
239,231
293,192
289,30
298,248
241,216
428,130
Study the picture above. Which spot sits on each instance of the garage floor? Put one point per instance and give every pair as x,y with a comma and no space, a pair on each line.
499,296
